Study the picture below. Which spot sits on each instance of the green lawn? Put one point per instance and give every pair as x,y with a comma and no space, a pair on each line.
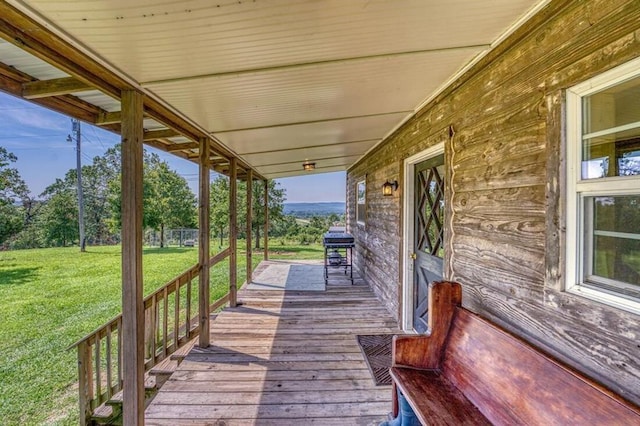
49,298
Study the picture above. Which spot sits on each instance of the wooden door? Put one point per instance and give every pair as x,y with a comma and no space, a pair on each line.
428,235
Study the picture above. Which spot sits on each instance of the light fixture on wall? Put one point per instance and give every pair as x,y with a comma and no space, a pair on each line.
308,166
389,187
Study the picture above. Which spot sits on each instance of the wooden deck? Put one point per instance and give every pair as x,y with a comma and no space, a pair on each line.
282,358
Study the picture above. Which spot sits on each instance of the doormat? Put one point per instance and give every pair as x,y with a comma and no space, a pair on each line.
376,349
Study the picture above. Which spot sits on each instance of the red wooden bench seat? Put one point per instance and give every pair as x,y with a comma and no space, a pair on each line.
470,371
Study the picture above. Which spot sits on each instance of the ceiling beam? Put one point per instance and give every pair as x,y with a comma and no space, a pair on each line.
54,87
107,118
181,146
150,135
29,32
12,81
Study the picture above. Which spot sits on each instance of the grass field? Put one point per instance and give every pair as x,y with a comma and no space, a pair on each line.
49,298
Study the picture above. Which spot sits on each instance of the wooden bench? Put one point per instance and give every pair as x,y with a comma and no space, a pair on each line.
467,370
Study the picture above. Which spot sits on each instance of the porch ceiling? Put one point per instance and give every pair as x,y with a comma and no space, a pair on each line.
277,82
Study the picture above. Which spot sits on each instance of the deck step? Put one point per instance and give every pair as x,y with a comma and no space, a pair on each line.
163,370
110,413
107,415
182,353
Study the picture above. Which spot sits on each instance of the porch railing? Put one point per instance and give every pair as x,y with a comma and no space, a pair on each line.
171,320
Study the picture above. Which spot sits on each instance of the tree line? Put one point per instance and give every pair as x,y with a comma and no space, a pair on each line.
51,218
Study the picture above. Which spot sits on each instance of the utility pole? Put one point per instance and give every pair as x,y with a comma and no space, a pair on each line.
75,127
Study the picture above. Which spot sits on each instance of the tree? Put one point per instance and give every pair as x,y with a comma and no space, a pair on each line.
276,207
12,190
58,219
170,202
220,205
96,184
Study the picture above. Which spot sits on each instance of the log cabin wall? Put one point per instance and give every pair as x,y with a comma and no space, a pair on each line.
506,188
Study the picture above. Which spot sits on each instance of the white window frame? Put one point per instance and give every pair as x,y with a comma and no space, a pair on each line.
578,189
361,207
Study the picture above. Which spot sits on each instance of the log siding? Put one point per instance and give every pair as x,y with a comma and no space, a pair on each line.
506,177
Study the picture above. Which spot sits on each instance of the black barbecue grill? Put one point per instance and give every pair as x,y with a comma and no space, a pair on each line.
338,252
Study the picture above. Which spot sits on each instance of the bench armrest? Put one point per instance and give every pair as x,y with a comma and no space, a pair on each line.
425,351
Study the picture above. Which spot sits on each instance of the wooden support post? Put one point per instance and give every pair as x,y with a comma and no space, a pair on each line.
233,234
266,220
249,223
132,304
203,243
85,382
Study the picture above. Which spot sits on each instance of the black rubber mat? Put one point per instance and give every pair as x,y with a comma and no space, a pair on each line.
377,352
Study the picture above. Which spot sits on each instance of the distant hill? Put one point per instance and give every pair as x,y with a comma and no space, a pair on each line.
314,209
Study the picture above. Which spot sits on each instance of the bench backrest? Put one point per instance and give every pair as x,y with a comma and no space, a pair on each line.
513,383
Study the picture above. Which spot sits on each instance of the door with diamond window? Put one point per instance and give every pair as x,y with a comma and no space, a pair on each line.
428,235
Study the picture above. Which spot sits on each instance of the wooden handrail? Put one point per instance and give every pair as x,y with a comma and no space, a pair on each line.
169,325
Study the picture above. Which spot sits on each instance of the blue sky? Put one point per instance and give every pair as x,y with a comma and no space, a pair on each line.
38,137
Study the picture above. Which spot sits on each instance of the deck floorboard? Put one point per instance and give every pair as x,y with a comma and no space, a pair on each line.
282,358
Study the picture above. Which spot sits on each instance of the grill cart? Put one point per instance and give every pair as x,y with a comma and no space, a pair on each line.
338,252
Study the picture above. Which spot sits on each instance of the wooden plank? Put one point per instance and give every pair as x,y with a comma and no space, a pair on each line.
249,226
203,243
301,411
266,220
54,87
284,366
444,405
266,349
271,385
150,135
183,145
240,357
85,381
256,375
106,118
324,421
233,234
132,285
326,396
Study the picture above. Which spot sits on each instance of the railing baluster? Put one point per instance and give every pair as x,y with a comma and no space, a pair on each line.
90,347
176,319
187,327
153,326
119,328
98,369
109,366
165,325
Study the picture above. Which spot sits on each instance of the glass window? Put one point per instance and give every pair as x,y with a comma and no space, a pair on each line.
361,202
603,182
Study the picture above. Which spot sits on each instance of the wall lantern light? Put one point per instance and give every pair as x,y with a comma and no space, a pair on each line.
308,166
389,187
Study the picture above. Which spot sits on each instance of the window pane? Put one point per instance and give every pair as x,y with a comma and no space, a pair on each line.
613,107
611,132
616,239
612,158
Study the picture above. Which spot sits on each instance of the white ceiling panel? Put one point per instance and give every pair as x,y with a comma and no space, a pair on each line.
155,40
17,58
281,81
310,93
318,153
311,134
321,166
